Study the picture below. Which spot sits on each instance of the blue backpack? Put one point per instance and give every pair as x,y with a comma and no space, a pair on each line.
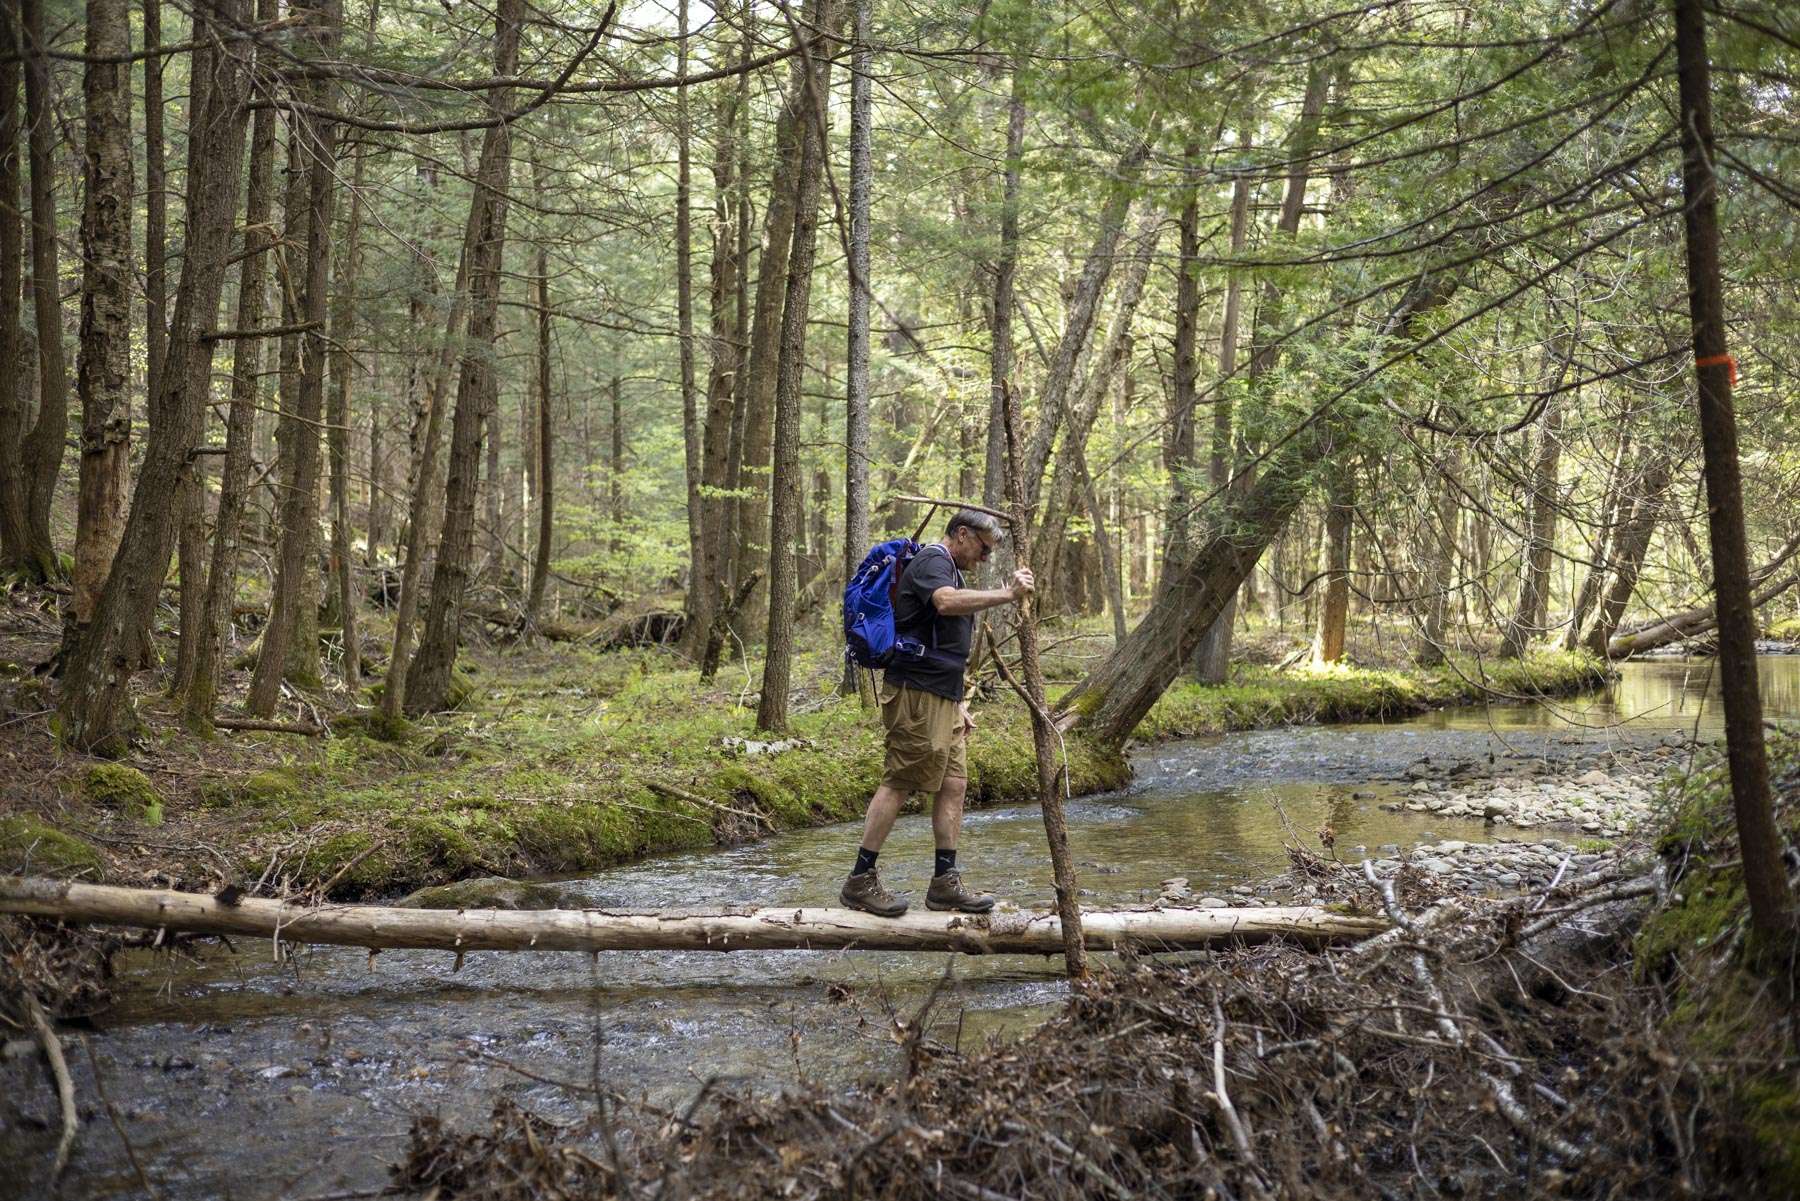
869,634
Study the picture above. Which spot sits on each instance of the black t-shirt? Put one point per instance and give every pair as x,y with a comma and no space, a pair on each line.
916,617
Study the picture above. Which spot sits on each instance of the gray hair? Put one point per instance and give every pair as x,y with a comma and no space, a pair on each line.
974,519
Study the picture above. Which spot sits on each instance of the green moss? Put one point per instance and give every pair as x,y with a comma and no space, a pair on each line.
1787,629
1732,997
27,845
126,789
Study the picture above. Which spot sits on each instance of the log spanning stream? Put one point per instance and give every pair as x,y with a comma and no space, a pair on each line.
237,1075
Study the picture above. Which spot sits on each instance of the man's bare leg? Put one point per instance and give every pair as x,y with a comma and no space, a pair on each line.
884,808
947,812
947,891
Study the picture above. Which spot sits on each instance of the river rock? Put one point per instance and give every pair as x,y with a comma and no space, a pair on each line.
492,892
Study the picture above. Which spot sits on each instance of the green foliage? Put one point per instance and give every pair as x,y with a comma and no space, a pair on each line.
28,846
125,789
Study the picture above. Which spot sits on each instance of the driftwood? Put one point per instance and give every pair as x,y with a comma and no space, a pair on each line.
268,727
735,929
1689,623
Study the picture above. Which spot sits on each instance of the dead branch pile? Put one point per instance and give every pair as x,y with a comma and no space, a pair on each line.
1480,1048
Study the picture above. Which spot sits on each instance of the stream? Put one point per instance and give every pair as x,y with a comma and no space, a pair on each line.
236,1076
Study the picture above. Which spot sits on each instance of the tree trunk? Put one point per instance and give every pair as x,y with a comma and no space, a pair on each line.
459,930
1083,306
1334,608
1213,663
1540,541
856,404
724,360
93,705
43,447
422,503
1178,438
103,365
343,366
293,609
762,366
1006,269
14,552
156,206
784,483
1613,509
428,677
1633,543
1052,777
201,694
699,598
546,458
615,467
1759,843
1440,544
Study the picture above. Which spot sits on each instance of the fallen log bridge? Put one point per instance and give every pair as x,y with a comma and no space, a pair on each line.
737,929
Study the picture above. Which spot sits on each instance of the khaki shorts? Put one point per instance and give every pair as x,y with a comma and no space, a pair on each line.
926,742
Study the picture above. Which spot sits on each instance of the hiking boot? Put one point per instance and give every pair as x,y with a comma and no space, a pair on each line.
864,891
947,893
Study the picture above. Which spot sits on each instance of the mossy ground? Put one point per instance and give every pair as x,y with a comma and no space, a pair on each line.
1731,998
1261,696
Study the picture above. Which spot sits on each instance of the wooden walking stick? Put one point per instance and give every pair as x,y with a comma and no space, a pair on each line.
1044,734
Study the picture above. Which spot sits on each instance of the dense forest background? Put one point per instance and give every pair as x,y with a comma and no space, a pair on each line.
394,321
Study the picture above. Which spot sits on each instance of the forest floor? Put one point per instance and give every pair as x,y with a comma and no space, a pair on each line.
562,759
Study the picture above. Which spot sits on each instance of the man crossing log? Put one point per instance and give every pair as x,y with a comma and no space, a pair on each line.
926,718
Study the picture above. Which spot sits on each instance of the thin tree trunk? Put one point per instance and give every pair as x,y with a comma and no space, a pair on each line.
103,366
1178,438
784,483
93,706
615,471
1083,307
1759,843
1052,777
343,366
43,448
546,458
1613,509
293,611
1633,543
14,546
156,204
856,406
762,367
1334,609
201,694
699,597
725,358
428,677
1006,269
422,502
1540,542
1445,515
1212,664
1213,661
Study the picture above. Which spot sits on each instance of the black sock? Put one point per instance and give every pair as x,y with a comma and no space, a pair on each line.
946,862
865,860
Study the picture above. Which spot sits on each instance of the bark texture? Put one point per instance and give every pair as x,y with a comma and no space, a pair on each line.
93,709
428,676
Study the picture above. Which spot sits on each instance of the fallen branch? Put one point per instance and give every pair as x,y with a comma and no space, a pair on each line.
689,798
735,929
59,1072
271,727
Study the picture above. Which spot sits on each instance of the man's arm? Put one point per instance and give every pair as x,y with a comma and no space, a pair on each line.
960,602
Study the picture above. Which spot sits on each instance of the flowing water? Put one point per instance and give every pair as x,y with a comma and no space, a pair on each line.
236,1076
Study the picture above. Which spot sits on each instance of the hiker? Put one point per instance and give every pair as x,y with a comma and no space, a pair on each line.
927,719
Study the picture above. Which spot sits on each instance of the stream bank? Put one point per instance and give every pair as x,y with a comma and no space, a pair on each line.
219,1052
569,763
